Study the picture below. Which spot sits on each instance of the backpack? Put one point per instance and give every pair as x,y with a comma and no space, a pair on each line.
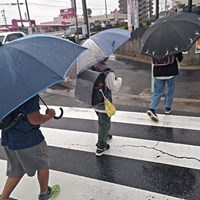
88,85
165,61
11,119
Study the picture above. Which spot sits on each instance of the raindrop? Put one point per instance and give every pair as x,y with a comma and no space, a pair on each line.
176,48
196,33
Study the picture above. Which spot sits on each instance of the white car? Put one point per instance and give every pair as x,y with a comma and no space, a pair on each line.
9,36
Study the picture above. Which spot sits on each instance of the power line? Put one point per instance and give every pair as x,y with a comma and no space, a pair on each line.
10,4
53,5
96,7
40,4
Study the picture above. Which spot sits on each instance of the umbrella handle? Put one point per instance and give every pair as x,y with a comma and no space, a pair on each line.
55,117
102,93
61,114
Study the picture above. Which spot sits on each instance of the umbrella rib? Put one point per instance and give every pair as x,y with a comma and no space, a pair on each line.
95,44
181,38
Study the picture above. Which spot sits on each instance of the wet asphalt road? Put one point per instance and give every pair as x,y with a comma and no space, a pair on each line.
135,92
181,182
137,78
165,179
175,181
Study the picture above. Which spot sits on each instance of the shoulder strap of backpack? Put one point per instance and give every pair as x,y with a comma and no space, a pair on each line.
15,121
17,117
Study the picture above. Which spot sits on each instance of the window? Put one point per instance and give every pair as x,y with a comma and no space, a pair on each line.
13,36
10,36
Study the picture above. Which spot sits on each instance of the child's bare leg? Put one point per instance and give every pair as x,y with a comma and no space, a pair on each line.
43,178
10,185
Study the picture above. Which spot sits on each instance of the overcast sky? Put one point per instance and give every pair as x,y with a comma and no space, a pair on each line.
45,10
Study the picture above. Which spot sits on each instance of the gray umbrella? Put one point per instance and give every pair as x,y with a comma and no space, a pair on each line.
171,35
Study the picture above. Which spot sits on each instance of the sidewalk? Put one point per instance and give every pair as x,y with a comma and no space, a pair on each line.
148,60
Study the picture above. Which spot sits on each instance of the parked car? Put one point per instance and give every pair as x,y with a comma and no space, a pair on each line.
70,33
9,36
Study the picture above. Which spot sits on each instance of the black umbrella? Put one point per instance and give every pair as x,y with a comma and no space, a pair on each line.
171,35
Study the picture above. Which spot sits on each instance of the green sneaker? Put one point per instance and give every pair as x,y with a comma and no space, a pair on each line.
52,193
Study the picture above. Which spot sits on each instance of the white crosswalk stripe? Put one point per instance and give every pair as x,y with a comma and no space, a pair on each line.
81,188
154,151
77,187
172,121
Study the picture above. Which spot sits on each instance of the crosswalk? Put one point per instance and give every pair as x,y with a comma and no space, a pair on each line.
147,160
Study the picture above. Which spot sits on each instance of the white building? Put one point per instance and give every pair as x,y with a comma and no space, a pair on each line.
113,18
194,2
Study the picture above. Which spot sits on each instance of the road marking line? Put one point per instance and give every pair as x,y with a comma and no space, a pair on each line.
132,148
78,188
173,121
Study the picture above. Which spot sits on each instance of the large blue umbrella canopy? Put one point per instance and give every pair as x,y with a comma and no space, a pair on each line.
31,64
102,45
111,39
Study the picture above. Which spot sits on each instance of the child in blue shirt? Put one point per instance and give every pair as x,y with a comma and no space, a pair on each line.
27,151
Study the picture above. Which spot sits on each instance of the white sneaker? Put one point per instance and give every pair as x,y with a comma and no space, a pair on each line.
151,113
168,110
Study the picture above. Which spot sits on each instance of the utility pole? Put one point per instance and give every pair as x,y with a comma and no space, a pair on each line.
165,7
106,9
31,31
4,16
189,5
76,21
20,15
157,9
85,17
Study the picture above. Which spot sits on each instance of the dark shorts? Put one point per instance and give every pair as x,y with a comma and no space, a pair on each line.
27,161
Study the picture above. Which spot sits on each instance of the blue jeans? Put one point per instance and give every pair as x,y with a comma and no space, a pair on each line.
159,86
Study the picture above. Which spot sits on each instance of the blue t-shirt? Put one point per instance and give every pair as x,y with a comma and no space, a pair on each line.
24,134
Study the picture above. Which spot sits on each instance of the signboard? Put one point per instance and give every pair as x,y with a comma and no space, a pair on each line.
67,13
136,22
197,46
130,14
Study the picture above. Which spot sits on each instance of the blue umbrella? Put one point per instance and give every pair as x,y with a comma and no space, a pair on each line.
111,39
31,64
102,45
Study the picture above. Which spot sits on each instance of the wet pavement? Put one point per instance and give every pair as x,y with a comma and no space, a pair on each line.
136,87
146,161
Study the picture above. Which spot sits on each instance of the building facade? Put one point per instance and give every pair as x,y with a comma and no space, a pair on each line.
182,5
112,18
145,9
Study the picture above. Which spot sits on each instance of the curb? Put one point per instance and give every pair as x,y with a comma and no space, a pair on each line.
148,61
140,101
